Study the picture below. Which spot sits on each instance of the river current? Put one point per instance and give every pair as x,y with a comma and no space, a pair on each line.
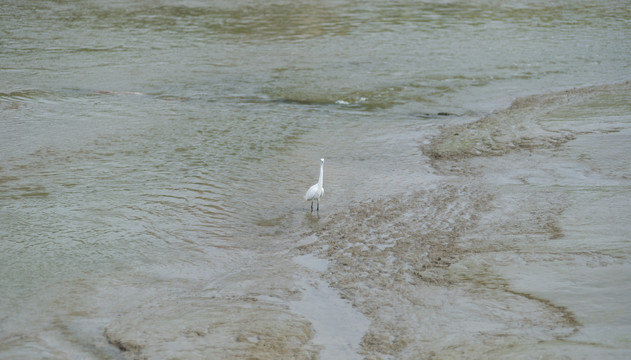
154,157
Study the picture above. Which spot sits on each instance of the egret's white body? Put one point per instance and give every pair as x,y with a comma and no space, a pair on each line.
316,191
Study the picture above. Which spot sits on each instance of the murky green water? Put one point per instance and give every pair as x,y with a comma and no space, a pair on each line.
152,152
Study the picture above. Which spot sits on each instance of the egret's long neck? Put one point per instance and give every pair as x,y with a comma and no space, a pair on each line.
321,174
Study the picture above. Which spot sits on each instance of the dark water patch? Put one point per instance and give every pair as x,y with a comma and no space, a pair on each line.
306,20
353,102
7,178
248,21
32,191
440,114
26,95
432,16
375,98
305,102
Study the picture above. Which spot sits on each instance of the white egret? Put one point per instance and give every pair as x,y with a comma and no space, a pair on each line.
316,191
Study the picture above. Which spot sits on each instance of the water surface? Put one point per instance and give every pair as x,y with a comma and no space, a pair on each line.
153,158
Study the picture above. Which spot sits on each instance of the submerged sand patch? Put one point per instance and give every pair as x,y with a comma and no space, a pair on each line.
212,328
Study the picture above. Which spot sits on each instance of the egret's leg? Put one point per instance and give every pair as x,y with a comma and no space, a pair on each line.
311,205
318,209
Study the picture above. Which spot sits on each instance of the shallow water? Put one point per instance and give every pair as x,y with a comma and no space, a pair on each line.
153,158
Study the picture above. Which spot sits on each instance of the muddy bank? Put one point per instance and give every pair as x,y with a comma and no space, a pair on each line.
243,312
